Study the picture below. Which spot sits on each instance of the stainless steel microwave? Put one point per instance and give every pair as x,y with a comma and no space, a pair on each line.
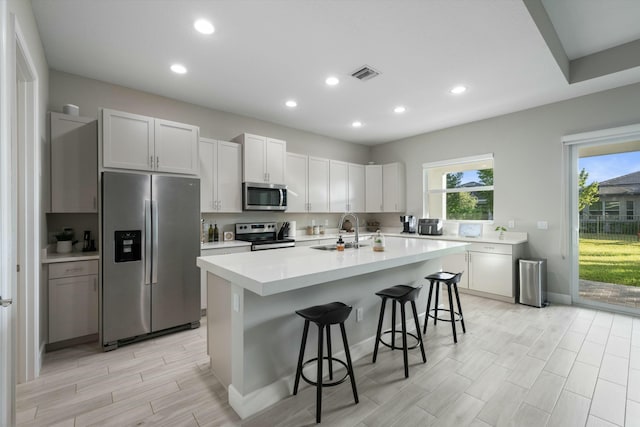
264,197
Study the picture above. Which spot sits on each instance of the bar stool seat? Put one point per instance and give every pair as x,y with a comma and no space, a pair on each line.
451,280
400,294
324,316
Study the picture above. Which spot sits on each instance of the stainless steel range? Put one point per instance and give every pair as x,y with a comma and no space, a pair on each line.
262,235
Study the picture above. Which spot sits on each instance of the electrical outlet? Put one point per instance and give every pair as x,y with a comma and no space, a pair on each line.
359,314
543,225
512,224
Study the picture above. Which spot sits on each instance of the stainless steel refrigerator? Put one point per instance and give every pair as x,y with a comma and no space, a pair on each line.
151,238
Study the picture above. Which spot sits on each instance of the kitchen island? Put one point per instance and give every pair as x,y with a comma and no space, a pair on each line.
253,332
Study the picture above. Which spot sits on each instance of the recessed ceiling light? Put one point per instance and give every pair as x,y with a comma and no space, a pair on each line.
356,124
457,90
332,81
203,26
291,103
399,109
178,69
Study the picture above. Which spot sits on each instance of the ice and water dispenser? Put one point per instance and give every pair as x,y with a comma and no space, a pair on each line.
128,246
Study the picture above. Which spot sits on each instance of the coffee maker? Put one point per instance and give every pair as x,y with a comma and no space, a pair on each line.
409,223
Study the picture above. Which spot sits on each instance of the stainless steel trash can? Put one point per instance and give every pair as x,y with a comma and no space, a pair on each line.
532,289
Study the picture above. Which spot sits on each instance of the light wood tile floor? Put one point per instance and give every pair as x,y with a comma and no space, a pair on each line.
516,365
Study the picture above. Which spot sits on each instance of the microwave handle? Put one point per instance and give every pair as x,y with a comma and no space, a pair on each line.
281,196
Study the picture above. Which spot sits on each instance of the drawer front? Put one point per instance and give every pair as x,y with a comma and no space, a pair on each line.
491,248
74,268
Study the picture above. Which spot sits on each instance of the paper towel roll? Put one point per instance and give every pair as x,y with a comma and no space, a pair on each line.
292,229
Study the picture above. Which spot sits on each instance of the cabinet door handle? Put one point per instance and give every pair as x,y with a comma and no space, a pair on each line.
5,302
151,162
490,248
157,162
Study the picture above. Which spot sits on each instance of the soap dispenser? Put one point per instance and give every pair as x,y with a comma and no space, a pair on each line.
340,244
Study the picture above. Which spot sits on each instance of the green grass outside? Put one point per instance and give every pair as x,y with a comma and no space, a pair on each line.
610,261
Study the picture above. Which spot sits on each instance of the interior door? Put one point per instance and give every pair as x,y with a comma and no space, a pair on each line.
175,293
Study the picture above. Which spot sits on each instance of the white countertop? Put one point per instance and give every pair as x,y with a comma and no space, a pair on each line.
71,256
272,272
511,239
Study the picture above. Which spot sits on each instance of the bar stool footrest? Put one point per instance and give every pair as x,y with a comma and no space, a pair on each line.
393,347
331,384
442,319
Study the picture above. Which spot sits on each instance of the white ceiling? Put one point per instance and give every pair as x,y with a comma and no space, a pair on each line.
264,52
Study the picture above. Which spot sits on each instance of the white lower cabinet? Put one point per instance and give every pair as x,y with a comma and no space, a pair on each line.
489,269
492,273
203,274
455,263
73,300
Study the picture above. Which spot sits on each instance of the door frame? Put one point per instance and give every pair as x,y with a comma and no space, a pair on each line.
7,273
27,137
571,145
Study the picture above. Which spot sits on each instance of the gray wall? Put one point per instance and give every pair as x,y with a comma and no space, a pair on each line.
90,95
528,165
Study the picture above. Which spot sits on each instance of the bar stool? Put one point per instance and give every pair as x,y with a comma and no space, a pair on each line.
451,280
325,316
399,294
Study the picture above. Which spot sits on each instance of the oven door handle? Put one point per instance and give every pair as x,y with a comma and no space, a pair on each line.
266,246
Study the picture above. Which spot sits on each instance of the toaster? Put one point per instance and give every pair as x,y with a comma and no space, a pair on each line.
430,226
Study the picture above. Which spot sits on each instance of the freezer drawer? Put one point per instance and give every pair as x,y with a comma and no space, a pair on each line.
532,289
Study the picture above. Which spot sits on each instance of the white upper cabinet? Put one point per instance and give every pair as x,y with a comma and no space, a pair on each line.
220,176
373,188
356,188
176,147
318,194
127,140
276,151
74,163
297,183
347,187
132,141
393,187
339,186
264,159
307,182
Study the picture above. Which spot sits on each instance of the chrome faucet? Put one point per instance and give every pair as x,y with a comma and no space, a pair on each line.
340,223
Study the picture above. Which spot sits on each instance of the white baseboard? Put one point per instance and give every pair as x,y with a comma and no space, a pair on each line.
559,298
262,398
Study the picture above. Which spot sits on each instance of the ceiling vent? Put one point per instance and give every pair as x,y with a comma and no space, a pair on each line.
365,73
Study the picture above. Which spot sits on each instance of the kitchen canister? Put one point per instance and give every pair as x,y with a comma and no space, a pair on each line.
292,229
70,109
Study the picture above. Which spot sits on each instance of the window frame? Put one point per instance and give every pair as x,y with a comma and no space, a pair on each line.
444,167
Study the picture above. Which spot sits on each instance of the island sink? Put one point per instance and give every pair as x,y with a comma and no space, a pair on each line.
332,247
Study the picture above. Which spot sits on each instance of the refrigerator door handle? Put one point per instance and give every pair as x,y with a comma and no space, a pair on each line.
154,226
147,242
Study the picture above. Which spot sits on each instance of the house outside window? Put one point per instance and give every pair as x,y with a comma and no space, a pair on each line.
630,209
459,189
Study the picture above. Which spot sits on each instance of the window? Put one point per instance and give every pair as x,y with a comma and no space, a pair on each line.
459,189
629,209
612,208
